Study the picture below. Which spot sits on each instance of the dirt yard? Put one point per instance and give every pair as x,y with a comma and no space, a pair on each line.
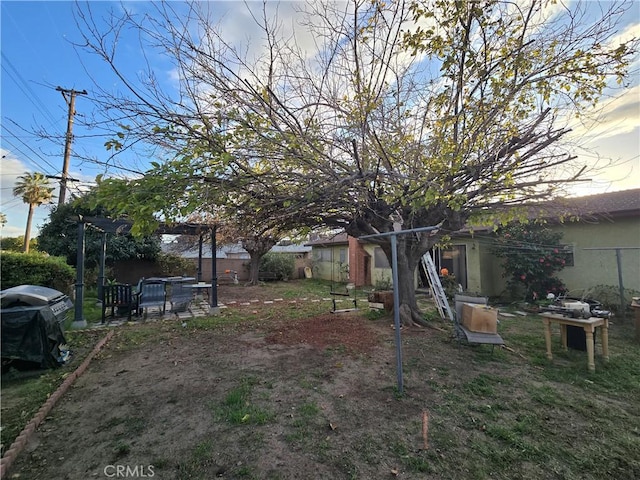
312,399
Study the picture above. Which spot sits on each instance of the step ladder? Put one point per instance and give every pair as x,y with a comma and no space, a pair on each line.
436,288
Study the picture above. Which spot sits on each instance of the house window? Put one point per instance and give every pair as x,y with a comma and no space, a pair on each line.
567,251
343,255
325,255
380,259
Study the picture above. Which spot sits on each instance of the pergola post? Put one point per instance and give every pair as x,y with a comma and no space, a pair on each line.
79,320
199,274
101,276
213,296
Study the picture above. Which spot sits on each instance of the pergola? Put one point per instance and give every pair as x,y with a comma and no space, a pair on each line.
122,227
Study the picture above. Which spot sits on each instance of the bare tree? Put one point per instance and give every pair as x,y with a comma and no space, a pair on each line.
424,113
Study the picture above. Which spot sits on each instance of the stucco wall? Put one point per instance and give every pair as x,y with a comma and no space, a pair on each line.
328,267
591,267
599,267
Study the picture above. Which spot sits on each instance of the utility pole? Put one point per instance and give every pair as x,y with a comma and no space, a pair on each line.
70,97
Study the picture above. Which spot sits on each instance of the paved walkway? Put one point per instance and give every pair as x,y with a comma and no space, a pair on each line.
200,308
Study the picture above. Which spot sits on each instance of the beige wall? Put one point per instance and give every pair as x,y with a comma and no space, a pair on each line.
327,265
591,267
599,267
242,267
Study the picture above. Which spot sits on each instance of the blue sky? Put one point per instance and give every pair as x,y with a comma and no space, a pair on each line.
38,56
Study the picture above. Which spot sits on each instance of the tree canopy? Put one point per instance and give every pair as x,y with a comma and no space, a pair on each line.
59,236
420,113
35,190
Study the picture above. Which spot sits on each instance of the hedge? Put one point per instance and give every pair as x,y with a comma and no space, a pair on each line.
36,269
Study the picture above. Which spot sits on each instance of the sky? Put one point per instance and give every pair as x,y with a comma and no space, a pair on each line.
38,56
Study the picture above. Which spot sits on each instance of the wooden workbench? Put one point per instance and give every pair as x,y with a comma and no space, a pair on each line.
589,325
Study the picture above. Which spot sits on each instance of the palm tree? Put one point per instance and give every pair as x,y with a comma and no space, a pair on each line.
34,190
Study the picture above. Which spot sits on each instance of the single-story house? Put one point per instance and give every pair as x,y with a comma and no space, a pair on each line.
235,258
592,228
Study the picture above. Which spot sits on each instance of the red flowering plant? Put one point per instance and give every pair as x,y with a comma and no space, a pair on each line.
532,255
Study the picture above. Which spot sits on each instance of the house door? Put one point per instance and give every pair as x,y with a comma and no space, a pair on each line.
367,270
454,259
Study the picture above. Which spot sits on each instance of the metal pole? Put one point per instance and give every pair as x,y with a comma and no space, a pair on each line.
213,297
396,310
103,256
620,285
79,321
200,258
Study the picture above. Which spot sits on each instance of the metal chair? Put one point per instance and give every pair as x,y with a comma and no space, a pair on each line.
151,293
180,297
119,296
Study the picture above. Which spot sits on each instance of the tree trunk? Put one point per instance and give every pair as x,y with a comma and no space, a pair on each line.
27,232
257,247
409,255
254,269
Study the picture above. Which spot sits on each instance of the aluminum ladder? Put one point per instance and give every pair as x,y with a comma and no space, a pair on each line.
436,288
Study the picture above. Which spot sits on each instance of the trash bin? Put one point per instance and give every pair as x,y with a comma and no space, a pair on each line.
635,306
577,338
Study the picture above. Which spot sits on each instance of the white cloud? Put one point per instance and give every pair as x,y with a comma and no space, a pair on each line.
614,117
13,207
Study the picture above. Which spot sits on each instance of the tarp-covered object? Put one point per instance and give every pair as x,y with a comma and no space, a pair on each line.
31,334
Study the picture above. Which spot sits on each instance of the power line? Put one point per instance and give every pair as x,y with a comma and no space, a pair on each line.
30,148
27,90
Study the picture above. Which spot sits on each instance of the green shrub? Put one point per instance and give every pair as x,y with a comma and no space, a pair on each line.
450,285
532,255
609,296
35,269
171,264
280,264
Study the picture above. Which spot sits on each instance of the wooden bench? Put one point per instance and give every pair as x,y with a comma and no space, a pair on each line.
120,296
266,276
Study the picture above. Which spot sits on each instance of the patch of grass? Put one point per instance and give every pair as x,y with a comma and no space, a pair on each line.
196,463
544,395
202,451
121,449
481,386
307,429
237,407
414,461
91,309
133,335
24,392
160,463
338,349
29,395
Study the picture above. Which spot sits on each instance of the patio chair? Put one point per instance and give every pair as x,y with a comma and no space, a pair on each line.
180,297
117,296
151,293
